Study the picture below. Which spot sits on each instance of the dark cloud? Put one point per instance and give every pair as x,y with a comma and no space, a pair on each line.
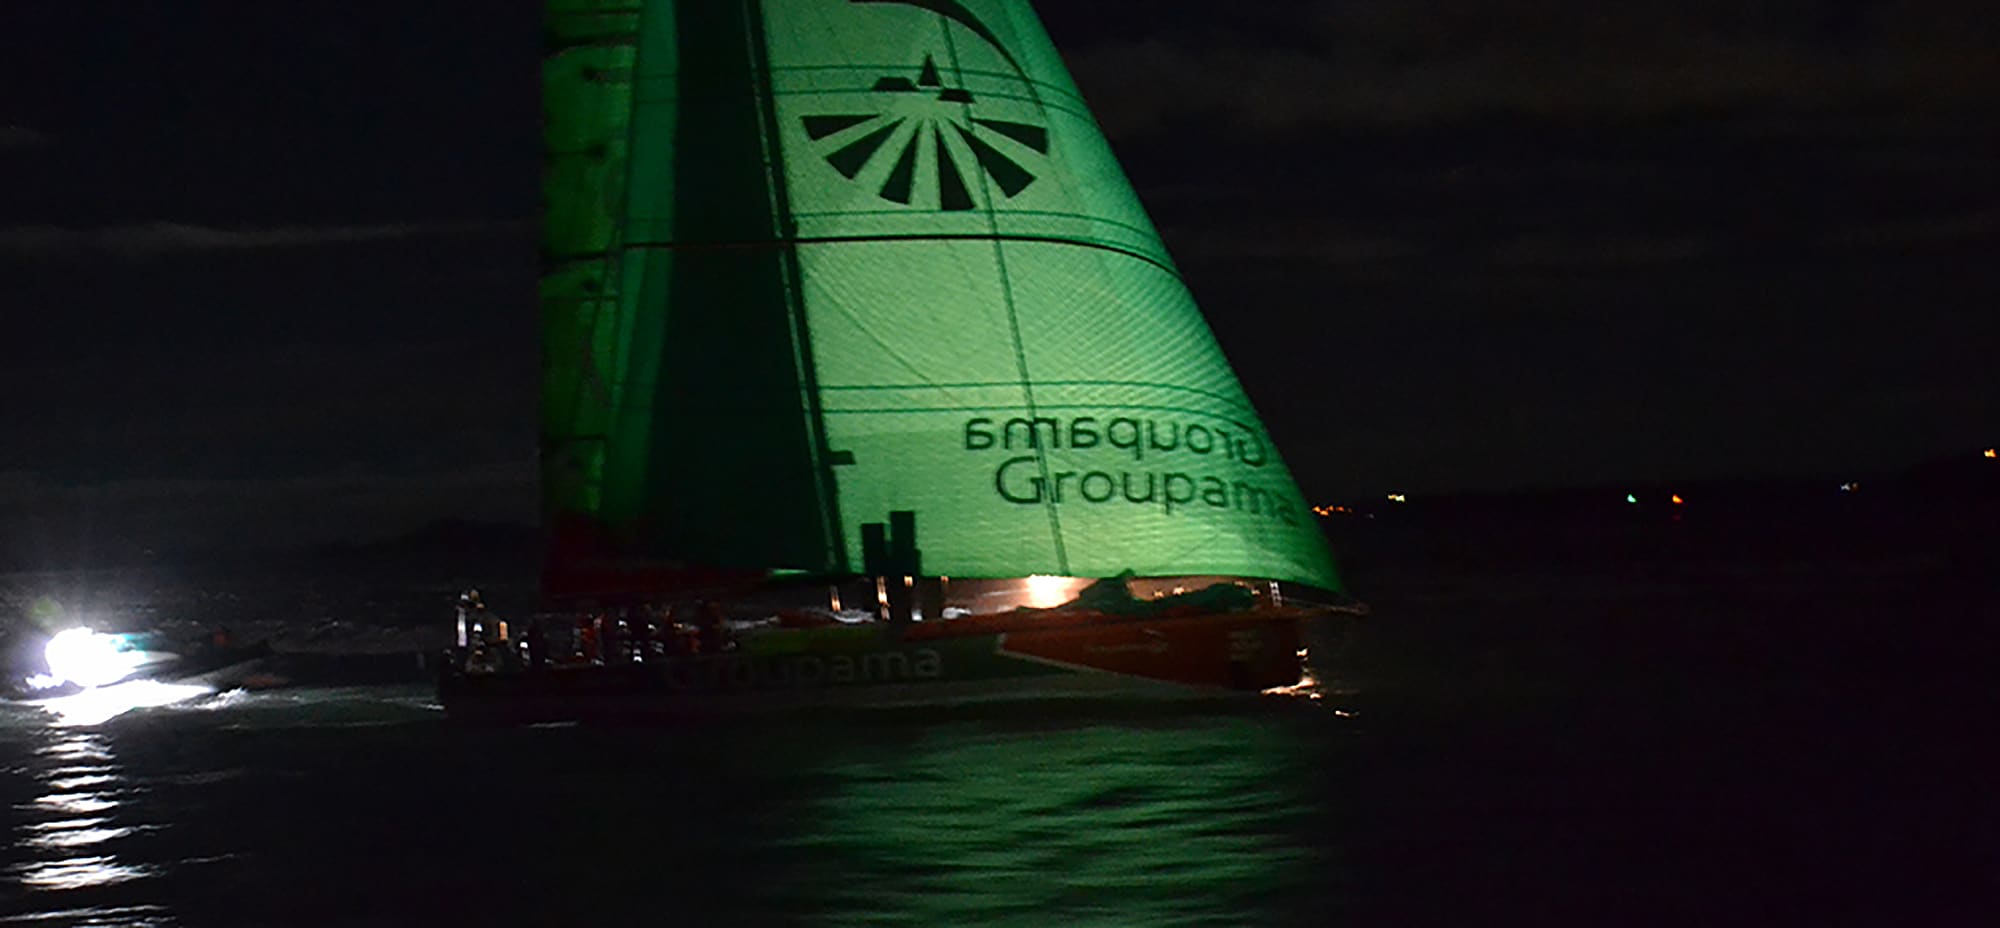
1608,199
160,238
255,410
20,489
23,137
55,524
185,447
1437,61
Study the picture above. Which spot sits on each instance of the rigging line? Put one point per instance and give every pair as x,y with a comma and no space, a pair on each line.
1006,292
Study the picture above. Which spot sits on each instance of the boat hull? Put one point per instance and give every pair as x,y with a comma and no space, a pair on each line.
1174,659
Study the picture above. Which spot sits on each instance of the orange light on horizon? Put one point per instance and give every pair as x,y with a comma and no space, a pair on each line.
1678,501
1992,453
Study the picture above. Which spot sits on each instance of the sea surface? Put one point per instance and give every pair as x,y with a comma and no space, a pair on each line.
1675,759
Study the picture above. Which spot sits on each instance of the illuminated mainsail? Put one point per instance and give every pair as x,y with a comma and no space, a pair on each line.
810,262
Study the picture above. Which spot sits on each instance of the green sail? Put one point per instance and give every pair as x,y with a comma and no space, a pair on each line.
815,261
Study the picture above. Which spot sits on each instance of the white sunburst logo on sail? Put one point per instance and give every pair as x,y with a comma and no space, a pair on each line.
942,140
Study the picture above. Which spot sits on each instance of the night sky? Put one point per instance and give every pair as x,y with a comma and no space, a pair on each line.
268,269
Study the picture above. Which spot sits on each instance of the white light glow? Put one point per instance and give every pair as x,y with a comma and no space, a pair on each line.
98,705
1306,688
1050,592
88,659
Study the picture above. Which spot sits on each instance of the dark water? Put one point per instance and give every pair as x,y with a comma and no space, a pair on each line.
1542,774
358,807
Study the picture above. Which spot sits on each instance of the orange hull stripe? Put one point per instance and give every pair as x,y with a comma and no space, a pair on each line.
1234,651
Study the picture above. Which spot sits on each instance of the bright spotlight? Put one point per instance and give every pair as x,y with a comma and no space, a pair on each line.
88,659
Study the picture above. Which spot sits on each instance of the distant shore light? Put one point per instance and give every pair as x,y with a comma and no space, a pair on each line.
1992,453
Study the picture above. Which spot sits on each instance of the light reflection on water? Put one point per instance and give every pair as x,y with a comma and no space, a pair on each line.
77,804
1166,825
79,782
101,704
137,916
78,873
67,846
70,838
64,825
79,748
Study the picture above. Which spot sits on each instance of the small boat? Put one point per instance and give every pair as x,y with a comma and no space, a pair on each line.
819,274
208,662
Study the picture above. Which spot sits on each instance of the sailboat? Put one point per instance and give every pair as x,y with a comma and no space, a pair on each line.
855,334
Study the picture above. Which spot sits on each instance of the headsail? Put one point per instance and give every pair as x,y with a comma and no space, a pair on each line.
816,261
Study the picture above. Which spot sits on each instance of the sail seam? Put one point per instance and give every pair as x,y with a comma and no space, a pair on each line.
1149,407
1039,213
1073,112
1053,383
996,237
875,69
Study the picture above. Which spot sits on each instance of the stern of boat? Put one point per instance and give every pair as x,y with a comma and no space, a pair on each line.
1246,652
